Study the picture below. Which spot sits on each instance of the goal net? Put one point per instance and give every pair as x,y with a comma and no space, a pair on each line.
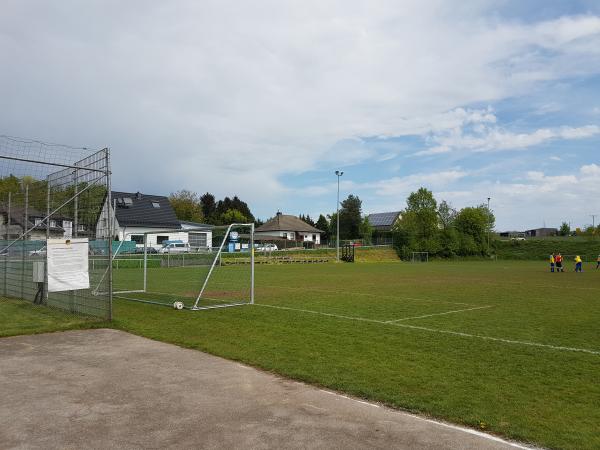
420,257
202,268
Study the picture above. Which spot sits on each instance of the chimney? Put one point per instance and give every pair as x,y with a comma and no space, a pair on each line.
138,195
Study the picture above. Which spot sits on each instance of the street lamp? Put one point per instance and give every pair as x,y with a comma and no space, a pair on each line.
337,214
489,223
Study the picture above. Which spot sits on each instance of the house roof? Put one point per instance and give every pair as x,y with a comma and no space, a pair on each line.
17,217
284,222
188,224
144,210
386,219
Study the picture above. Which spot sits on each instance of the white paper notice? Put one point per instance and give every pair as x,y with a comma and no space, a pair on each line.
67,264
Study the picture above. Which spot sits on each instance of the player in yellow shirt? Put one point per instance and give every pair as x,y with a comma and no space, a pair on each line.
578,264
552,262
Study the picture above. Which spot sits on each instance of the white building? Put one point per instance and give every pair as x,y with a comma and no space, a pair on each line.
135,214
283,226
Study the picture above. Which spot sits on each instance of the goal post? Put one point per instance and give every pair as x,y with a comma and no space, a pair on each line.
419,257
195,268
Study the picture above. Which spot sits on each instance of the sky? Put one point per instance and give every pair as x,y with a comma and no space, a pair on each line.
266,99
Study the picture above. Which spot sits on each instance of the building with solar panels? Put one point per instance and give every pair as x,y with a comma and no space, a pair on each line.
384,221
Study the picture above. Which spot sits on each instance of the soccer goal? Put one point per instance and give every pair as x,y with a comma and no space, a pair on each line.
195,268
419,257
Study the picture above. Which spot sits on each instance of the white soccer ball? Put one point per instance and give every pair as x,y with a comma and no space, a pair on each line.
178,305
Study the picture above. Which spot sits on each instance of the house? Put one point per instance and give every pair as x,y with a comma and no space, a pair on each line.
290,228
135,214
542,232
383,221
60,227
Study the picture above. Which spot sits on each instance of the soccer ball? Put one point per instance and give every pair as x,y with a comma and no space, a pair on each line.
178,305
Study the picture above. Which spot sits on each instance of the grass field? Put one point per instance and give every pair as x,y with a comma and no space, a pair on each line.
506,347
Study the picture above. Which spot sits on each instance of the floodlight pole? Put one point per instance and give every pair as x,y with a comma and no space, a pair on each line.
337,215
489,223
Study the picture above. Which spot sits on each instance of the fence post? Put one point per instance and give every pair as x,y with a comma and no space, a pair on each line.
25,227
6,259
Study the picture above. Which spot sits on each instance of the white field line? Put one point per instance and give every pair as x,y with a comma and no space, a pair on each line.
366,294
435,422
438,314
452,333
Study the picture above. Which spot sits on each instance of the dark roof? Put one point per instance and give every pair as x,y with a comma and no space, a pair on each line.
283,222
137,209
386,219
17,217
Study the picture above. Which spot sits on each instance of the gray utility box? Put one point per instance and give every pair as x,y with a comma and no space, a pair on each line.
39,271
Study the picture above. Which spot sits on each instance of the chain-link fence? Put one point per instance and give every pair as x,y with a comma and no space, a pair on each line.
54,247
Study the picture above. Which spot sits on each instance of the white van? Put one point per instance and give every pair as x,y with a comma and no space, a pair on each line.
175,247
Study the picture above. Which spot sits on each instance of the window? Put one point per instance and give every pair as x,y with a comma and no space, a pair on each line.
52,223
66,224
197,240
81,227
38,221
284,235
155,205
138,238
161,239
179,245
314,237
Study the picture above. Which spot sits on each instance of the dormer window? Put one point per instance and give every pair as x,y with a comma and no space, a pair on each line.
155,205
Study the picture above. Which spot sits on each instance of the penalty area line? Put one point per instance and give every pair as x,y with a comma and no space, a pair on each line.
436,330
438,314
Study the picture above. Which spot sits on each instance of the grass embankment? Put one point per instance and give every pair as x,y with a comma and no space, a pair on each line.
19,317
540,249
361,254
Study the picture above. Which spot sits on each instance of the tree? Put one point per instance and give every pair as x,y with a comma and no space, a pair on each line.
446,214
233,216
186,205
350,218
323,225
565,229
209,206
366,230
473,225
307,219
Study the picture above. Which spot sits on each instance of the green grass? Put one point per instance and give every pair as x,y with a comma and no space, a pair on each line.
541,248
18,317
516,366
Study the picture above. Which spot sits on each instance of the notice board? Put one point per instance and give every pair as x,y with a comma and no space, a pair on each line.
68,264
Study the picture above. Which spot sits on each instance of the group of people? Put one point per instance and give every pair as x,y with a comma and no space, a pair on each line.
556,263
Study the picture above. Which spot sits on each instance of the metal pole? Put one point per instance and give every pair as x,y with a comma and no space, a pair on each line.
145,259
48,198
6,260
110,234
25,222
489,226
252,264
337,243
75,206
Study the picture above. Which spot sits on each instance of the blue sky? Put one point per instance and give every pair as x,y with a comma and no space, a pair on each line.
266,100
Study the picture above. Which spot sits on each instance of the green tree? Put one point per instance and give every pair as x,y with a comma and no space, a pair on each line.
209,206
323,225
446,214
565,229
233,216
366,231
350,218
473,225
186,205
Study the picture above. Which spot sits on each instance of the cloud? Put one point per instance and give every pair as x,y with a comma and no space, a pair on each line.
233,97
483,138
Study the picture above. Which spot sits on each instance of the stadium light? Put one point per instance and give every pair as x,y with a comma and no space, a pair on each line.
338,173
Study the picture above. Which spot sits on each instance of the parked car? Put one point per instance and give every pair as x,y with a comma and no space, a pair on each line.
149,250
175,247
39,252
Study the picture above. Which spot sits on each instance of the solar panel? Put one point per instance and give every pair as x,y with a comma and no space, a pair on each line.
383,219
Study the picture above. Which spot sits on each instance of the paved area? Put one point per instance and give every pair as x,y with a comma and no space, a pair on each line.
110,389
